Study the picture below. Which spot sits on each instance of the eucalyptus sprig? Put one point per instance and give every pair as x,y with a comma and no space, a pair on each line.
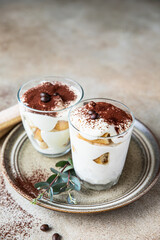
60,181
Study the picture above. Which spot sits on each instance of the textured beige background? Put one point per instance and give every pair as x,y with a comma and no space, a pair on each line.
112,48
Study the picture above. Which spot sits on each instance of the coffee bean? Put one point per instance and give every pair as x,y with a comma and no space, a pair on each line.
55,94
56,236
43,94
44,227
92,104
94,116
45,97
90,112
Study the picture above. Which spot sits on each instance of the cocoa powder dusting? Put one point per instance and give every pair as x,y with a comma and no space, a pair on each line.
27,185
60,95
109,113
21,222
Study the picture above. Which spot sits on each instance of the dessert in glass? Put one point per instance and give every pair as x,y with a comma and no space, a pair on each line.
100,132
44,104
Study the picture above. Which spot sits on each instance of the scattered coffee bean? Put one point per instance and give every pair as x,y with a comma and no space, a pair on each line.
56,236
44,227
55,94
92,104
94,116
90,112
45,97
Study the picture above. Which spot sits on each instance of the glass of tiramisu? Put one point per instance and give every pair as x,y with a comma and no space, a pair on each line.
100,132
44,104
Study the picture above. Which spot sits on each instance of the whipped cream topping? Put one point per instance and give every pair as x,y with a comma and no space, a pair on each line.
96,119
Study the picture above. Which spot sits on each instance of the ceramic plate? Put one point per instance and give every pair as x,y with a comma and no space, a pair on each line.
23,166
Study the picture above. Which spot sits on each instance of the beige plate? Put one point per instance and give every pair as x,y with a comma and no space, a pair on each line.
23,167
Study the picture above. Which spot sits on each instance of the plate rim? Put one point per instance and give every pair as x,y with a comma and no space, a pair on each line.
40,203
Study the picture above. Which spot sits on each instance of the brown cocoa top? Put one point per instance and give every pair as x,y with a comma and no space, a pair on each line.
110,113
98,118
59,96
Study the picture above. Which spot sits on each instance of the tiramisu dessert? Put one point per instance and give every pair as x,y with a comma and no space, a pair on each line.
44,106
100,132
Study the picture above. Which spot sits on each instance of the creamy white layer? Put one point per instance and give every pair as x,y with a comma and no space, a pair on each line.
56,141
84,154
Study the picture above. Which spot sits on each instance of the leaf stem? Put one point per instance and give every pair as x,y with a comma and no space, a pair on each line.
56,177
68,178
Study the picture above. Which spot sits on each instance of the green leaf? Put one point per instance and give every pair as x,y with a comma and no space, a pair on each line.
58,188
41,185
74,181
64,175
64,179
61,163
51,178
58,180
72,172
68,168
54,171
70,161
51,194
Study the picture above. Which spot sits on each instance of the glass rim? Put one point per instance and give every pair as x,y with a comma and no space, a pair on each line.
43,80
100,137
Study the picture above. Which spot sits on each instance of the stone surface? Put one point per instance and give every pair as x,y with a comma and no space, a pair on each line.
112,49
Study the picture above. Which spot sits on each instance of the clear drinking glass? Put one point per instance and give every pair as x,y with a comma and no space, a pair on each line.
99,161
48,131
